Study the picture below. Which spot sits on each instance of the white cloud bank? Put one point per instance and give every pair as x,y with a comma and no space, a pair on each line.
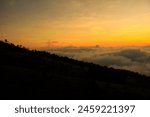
135,59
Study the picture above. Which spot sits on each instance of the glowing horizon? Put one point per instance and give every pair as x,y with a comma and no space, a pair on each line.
48,23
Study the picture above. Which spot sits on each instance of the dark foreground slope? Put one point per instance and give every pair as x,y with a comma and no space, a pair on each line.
26,74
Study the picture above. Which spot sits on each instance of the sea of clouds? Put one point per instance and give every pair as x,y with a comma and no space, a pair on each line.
135,59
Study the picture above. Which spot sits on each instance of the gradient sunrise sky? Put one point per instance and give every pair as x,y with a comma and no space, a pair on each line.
56,23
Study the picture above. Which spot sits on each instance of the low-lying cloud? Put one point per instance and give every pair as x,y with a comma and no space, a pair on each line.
135,59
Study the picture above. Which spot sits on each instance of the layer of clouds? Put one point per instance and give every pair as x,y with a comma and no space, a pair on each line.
135,59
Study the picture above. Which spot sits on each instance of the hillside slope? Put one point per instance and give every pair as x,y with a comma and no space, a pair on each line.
26,74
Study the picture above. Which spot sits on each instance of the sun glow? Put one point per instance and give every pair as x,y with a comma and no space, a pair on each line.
76,23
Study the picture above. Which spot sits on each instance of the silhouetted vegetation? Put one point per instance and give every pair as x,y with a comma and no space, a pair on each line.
32,74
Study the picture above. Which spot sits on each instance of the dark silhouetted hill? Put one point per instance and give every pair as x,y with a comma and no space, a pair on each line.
31,74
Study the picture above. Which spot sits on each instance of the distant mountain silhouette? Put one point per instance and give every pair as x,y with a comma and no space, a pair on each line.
32,74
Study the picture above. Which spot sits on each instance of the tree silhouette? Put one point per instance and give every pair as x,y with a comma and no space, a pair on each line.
6,40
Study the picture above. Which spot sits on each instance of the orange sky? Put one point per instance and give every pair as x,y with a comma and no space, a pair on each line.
56,23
